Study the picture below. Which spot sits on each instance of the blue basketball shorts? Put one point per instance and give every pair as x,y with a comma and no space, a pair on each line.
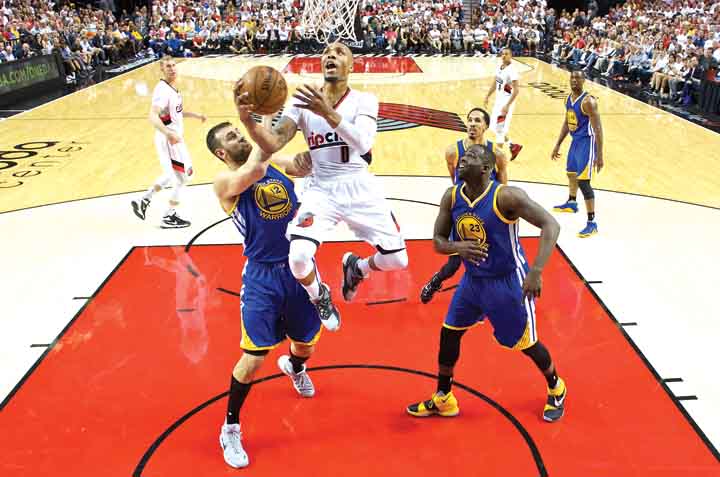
501,300
273,306
581,156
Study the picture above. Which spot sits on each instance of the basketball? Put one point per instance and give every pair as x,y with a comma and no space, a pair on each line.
266,89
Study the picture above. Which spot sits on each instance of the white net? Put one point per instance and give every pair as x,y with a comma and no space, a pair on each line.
330,20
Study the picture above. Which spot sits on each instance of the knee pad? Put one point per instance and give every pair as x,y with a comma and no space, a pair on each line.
301,256
586,188
392,261
449,346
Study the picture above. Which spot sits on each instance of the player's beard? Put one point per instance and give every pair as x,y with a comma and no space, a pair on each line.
239,156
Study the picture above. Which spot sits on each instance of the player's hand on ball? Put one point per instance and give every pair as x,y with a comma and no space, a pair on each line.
243,106
472,251
532,284
313,100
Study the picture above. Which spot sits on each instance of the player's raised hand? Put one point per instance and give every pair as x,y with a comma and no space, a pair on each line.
242,104
532,284
472,251
312,99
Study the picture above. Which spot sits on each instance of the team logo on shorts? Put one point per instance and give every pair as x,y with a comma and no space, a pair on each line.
273,200
469,227
306,219
572,120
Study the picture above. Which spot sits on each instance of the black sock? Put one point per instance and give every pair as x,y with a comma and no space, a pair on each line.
444,383
552,378
541,357
238,393
591,216
450,268
573,198
297,362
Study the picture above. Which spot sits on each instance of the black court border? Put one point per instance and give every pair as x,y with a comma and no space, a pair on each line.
644,359
50,347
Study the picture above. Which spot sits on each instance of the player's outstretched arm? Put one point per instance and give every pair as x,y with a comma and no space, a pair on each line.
513,203
190,114
229,184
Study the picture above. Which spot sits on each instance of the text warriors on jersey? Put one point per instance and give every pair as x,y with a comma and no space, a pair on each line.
272,199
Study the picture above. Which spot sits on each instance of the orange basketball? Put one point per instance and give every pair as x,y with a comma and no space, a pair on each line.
266,89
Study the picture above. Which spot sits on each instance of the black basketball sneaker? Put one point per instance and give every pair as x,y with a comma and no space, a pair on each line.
174,222
139,208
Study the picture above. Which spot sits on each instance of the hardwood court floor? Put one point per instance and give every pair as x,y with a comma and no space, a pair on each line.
104,142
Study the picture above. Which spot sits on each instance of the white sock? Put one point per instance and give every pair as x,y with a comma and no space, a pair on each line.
149,193
313,289
364,266
170,211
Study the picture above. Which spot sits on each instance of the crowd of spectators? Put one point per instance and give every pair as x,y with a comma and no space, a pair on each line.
667,46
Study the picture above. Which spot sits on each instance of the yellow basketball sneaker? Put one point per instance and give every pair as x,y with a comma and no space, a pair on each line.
555,407
442,404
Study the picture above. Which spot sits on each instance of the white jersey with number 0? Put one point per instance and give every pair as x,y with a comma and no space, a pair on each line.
331,156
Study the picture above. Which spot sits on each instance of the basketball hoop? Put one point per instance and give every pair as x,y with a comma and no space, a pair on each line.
331,20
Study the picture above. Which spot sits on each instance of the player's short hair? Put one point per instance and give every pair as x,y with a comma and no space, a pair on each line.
484,152
211,140
486,116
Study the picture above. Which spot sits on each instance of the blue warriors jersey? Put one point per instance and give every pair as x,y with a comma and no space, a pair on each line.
262,213
578,122
461,152
481,220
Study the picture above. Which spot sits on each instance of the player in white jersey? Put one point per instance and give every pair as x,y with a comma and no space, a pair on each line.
506,90
339,125
166,115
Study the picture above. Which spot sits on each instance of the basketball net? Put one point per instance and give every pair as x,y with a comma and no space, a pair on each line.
330,20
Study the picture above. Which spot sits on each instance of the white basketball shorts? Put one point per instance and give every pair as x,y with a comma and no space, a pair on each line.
358,200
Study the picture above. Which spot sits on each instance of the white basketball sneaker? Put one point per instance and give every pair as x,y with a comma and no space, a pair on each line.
233,452
302,382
